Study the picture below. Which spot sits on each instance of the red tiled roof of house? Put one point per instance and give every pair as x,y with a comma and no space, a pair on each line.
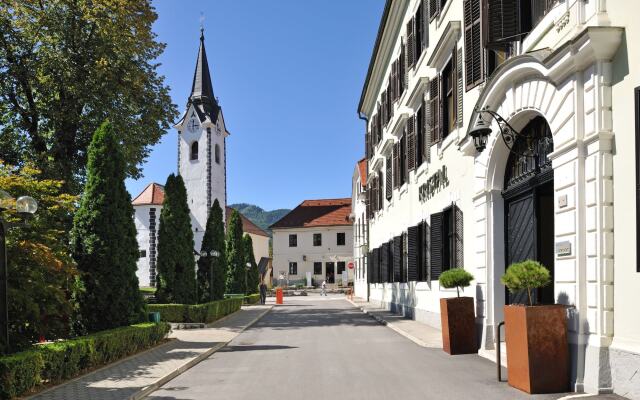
326,212
247,225
362,166
153,194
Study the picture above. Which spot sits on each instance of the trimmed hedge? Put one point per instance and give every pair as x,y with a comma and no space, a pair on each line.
252,298
54,362
204,313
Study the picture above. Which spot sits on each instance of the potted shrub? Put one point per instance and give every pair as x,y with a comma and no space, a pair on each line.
457,314
536,335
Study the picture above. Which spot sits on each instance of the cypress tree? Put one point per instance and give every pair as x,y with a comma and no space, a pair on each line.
104,239
212,270
176,282
236,268
253,276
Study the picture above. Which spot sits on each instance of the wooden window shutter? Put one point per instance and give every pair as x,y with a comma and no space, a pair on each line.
458,228
389,106
454,84
404,165
418,28
396,165
374,266
427,130
424,251
369,263
420,135
436,109
474,60
411,43
403,66
367,142
434,9
459,83
389,186
384,269
380,189
436,245
383,107
425,24
411,143
412,253
503,22
397,259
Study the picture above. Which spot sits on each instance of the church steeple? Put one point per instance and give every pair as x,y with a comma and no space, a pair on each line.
202,90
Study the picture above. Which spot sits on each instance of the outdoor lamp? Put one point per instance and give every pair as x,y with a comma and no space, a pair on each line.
480,133
248,265
26,206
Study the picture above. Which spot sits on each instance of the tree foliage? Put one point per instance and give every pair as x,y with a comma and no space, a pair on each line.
67,65
176,275
455,278
104,239
526,275
212,270
41,273
253,276
236,264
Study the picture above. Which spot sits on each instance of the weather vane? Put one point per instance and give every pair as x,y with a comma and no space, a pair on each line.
201,22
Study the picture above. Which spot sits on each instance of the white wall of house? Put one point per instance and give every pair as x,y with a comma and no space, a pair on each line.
260,246
360,227
305,253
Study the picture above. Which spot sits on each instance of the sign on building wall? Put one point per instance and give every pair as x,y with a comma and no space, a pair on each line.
434,184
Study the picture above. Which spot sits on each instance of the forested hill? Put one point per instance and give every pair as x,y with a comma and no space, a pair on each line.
259,216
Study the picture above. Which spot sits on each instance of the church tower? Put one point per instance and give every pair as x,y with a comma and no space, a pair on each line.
201,148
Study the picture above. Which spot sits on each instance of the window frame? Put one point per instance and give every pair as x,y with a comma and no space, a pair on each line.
344,238
317,239
315,264
194,155
216,153
294,242
293,266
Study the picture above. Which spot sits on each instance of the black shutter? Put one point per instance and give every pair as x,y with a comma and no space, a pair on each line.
420,136
397,259
392,81
413,236
376,265
454,87
459,86
424,251
458,249
403,68
367,143
396,165
434,90
425,24
427,130
434,9
389,179
369,262
411,143
474,60
436,245
403,159
411,43
418,34
384,262
503,22
380,190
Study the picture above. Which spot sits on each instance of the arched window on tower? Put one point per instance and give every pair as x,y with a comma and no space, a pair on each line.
217,153
194,151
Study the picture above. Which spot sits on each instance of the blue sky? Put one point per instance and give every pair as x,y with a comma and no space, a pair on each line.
288,75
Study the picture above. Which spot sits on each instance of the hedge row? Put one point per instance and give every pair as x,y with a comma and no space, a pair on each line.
252,298
54,362
207,312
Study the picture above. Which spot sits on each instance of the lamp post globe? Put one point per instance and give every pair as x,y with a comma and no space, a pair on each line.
26,205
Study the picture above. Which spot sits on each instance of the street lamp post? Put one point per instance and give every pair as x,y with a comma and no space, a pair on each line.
25,206
214,254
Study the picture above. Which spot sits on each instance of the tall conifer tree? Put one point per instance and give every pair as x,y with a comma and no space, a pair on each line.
236,264
253,277
176,267
212,270
104,238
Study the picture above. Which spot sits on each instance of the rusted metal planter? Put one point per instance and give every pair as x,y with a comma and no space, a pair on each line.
537,349
458,325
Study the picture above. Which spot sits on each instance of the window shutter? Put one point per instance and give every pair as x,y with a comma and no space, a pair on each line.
367,143
434,9
436,245
380,189
424,251
403,67
454,84
389,179
396,165
503,22
397,259
384,269
420,135
404,171
474,60
389,106
436,109
412,253
459,83
369,269
427,130
383,107
374,266
418,27
411,43
458,249
392,81
425,24
411,143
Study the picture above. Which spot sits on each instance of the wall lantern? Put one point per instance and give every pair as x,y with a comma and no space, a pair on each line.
481,131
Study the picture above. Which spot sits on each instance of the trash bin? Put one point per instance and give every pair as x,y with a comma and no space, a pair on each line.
279,296
154,317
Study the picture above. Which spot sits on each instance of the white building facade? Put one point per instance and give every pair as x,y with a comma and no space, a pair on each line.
315,240
360,228
555,83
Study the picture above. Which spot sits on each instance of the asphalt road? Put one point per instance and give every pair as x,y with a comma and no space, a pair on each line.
324,348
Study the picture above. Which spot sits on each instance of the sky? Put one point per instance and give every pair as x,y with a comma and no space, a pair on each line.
288,75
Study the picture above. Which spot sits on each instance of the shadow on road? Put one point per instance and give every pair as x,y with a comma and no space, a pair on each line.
256,347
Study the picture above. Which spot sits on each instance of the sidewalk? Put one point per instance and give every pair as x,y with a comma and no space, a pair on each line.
140,374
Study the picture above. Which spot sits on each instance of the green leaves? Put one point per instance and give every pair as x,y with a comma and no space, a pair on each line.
212,271
253,276
455,278
236,262
526,275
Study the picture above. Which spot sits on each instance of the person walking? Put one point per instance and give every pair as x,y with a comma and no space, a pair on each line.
263,291
324,288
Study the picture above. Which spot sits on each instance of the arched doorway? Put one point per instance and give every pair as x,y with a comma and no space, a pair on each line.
528,204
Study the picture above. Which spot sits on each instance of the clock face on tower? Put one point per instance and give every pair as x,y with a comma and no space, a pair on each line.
192,125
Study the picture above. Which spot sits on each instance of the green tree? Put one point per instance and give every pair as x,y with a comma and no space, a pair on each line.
236,264
42,275
212,270
253,276
67,65
176,282
104,239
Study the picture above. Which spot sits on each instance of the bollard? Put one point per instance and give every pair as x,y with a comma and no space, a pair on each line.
279,296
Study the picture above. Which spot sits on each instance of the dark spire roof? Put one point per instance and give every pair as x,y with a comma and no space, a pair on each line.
202,90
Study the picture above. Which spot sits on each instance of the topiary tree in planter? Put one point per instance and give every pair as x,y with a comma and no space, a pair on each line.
456,278
537,348
526,275
457,314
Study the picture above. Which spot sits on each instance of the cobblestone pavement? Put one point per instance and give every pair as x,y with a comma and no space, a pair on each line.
127,378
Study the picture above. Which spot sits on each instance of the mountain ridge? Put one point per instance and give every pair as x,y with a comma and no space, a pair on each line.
260,216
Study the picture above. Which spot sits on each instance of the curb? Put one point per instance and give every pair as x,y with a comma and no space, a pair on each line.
391,325
180,370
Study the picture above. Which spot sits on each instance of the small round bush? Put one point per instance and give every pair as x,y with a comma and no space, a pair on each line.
526,275
455,278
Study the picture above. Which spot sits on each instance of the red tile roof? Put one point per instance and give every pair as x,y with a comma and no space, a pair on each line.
327,212
153,194
247,225
362,166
